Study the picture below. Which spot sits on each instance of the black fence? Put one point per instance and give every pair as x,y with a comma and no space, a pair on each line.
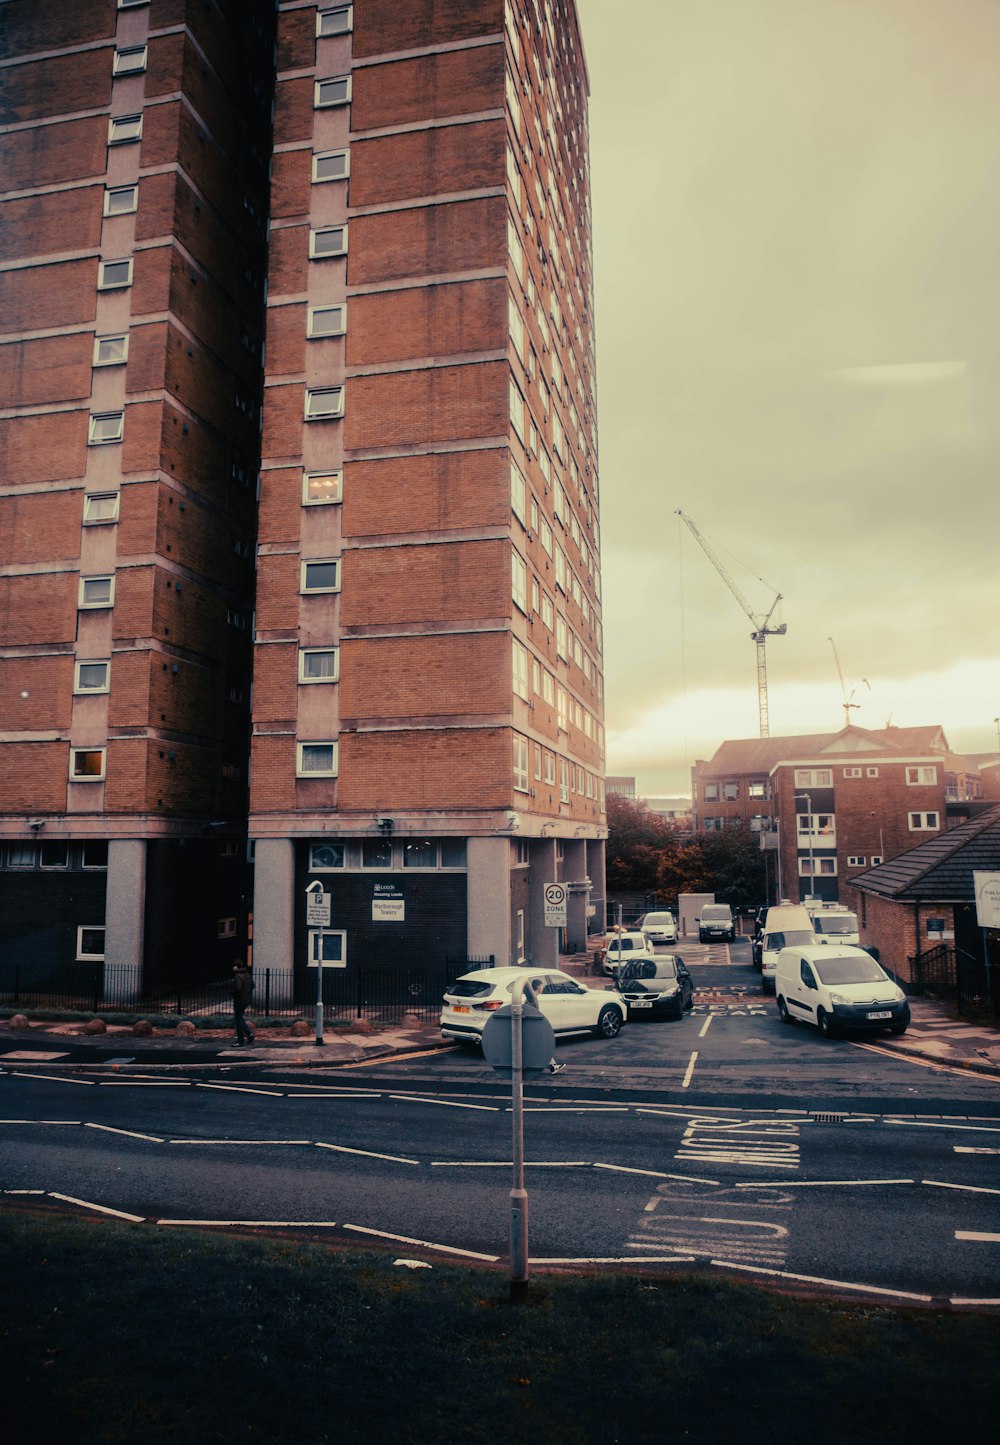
960,978
376,993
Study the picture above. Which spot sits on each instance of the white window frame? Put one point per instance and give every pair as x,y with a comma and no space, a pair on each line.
918,777
314,562
817,867
345,11
83,662
550,768
516,408
518,492
871,772
82,930
320,103
306,652
813,777
301,771
121,200
76,777
336,481
82,601
120,356
520,763
519,580
106,428
315,396
856,860
320,156
130,60
519,669
103,284
315,254
131,4
921,822
317,937
313,332
93,515
875,860
124,128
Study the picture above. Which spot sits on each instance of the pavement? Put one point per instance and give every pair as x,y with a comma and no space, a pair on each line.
934,1037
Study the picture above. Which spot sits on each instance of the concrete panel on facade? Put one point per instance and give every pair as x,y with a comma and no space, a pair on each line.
489,930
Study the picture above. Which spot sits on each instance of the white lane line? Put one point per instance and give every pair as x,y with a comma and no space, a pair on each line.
142,1083
101,1209
971,1149
34,1056
690,1070
239,1141
253,1223
48,1078
424,1243
961,1300
445,1103
940,1066
243,1089
365,1153
819,1279
508,1164
656,1174
22,1191
360,1093
345,1098
583,1109
962,1128
695,1115
619,1259
129,1133
68,1123
822,1183
965,1188
975,1234
704,1028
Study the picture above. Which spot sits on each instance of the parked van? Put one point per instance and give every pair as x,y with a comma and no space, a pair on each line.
716,921
785,925
833,923
837,987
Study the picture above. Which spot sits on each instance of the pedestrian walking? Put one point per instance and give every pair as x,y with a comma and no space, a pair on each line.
243,987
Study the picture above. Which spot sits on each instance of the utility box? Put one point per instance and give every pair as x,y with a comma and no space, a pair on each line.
689,905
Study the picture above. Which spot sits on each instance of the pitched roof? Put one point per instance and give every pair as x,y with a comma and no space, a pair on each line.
941,869
760,755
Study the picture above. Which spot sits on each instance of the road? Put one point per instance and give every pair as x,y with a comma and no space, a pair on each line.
725,1139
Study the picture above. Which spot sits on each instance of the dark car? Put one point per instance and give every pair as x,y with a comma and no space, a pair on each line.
659,987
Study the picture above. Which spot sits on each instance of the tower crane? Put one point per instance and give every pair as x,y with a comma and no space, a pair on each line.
847,703
761,631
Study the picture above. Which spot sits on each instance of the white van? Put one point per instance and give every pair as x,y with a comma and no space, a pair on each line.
786,924
836,988
833,923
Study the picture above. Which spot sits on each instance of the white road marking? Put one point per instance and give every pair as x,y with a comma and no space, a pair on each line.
971,1149
581,1109
966,1188
22,1191
508,1164
655,1174
243,1089
619,1259
75,1123
34,1056
705,1026
819,1279
821,1183
690,1070
253,1223
101,1209
49,1078
240,1141
959,1300
129,1133
758,1143
444,1103
914,1123
424,1243
140,1083
365,1153
974,1234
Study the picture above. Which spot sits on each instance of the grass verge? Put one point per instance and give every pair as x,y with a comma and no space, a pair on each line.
119,1333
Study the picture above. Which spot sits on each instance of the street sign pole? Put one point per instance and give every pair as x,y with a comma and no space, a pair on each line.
518,1193
317,888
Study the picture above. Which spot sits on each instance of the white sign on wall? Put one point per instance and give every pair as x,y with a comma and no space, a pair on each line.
555,905
987,886
388,904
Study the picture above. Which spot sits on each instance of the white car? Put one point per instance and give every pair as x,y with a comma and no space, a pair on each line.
569,1006
623,947
660,927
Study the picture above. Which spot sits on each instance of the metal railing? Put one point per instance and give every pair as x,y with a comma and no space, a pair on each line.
959,978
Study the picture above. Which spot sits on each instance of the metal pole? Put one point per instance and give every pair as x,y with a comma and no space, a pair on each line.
518,1193
319,993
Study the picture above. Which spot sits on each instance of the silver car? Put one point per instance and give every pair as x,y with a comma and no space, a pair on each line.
659,927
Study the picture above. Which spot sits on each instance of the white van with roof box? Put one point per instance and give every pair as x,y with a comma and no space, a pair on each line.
834,923
786,924
834,987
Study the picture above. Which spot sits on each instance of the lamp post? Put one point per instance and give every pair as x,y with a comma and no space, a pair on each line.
809,811
996,721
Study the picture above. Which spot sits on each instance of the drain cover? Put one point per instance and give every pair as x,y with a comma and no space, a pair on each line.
827,1118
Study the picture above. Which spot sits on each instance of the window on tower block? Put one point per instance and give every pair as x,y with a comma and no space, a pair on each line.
331,166
328,241
335,91
324,402
336,20
327,320
110,350
91,677
87,765
113,275
318,664
100,507
122,128
317,760
320,487
322,575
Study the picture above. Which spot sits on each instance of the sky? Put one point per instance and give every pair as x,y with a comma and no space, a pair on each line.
797,279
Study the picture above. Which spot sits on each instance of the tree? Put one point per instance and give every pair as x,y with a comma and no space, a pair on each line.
637,841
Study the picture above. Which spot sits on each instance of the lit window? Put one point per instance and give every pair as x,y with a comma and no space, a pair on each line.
320,487
520,763
96,592
130,61
335,21
101,507
324,402
87,765
106,427
112,275
331,166
120,200
318,664
89,944
328,241
110,350
91,677
335,91
327,321
122,128
317,760
321,576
